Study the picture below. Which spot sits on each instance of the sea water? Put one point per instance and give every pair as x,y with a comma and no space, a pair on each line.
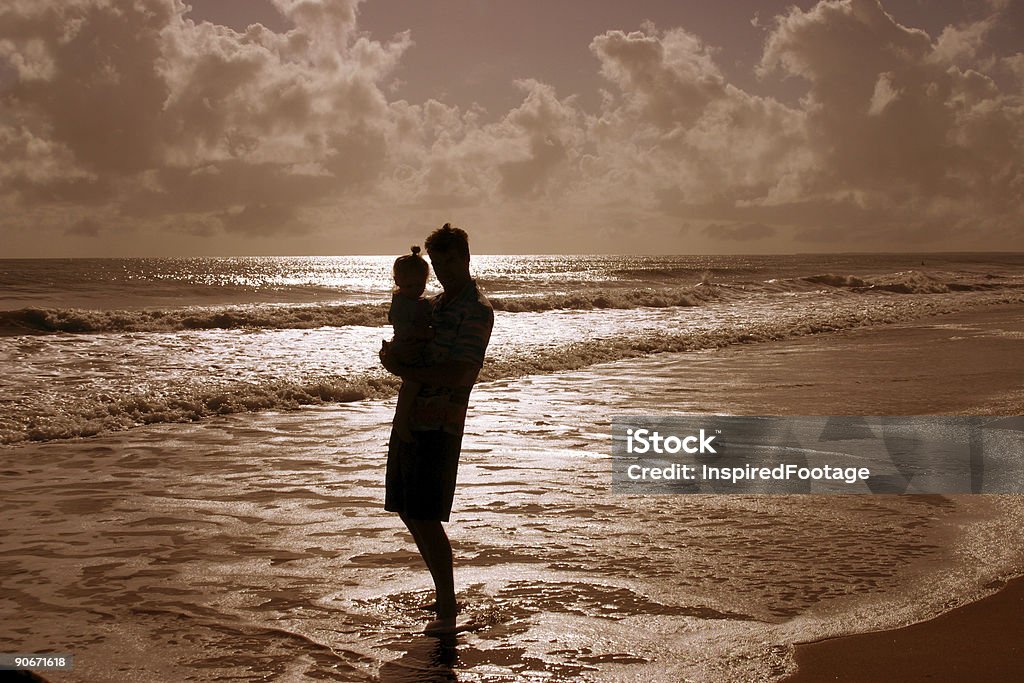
91,345
203,531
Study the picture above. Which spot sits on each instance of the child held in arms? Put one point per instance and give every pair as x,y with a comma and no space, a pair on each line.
410,316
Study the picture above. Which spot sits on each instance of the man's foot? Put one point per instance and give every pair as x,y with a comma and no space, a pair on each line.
443,626
432,606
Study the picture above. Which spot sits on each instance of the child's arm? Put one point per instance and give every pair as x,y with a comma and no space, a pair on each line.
422,327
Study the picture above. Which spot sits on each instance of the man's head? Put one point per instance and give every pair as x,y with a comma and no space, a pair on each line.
448,249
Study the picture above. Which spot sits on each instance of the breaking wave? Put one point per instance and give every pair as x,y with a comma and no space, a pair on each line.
907,282
27,321
42,420
609,298
85,321
106,412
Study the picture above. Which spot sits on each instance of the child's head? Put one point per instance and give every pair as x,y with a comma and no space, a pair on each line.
411,273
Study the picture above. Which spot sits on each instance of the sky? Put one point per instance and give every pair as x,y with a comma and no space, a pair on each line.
291,127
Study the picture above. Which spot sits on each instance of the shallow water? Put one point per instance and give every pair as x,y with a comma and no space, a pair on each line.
264,535
191,539
253,547
62,385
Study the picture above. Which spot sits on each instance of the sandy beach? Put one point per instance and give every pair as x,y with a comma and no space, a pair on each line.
977,642
254,546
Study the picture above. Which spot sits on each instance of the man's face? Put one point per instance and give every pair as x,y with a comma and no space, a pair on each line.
448,266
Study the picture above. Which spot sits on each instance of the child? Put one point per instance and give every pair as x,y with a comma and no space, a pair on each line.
410,316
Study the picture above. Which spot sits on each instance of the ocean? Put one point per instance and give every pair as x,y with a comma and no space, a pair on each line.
193,457
93,345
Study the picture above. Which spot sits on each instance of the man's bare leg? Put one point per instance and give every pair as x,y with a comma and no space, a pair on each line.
436,550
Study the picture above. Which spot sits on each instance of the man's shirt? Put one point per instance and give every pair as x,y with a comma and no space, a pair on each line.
462,329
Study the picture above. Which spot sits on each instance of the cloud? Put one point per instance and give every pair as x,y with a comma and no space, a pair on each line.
670,77
1014,64
964,44
547,135
134,117
84,228
739,232
156,114
905,125
674,121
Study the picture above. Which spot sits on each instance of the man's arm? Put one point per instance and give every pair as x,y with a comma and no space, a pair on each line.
452,373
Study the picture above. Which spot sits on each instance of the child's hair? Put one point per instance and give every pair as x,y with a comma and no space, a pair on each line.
412,263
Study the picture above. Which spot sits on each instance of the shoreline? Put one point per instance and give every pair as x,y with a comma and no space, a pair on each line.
977,641
960,363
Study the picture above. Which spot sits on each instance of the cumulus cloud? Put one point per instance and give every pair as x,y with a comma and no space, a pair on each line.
905,126
676,121
121,116
1014,64
155,114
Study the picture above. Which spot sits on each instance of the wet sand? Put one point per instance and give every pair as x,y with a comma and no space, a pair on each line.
254,546
978,642
972,363
961,363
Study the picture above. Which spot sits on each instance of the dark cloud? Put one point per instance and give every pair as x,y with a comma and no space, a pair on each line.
263,219
90,81
900,121
84,228
739,232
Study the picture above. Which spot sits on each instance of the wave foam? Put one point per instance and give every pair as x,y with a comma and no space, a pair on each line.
43,421
84,321
609,299
105,413
28,321
906,282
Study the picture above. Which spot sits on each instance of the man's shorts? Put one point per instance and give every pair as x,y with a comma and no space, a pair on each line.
420,479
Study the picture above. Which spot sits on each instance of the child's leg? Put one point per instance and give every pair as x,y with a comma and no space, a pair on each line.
403,412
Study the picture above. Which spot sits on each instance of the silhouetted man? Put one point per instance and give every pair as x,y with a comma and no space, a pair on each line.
420,480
